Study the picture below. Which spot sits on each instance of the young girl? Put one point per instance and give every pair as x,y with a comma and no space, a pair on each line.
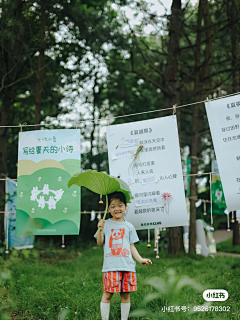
118,237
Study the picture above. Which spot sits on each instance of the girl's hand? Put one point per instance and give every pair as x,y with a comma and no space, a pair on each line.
145,262
101,225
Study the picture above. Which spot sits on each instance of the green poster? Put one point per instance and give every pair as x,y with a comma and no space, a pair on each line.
47,159
218,199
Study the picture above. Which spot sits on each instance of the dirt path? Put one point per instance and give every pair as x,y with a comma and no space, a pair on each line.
235,255
221,235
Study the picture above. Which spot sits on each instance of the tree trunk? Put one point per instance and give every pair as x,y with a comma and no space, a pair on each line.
195,137
235,87
193,185
208,35
236,237
40,72
171,85
201,72
170,73
176,245
95,101
9,65
234,38
5,115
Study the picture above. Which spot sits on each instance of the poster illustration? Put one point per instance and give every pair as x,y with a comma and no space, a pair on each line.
224,121
146,155
16,241
46,161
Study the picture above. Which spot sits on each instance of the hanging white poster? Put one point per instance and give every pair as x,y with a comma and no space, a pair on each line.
238,215
224,121
151,166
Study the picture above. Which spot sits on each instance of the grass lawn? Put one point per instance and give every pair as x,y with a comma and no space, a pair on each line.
226,246
40,287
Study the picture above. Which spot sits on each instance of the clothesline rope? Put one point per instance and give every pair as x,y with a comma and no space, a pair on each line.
122,116
204,200
185,175
199,174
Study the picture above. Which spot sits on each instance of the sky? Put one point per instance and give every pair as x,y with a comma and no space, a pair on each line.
157,6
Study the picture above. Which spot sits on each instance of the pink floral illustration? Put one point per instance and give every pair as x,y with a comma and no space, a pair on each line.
166,196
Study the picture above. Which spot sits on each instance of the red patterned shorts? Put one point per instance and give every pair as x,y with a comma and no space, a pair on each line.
119,281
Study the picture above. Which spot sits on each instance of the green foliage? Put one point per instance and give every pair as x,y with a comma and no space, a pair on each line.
71,36
64,314
68,280
4,284
169,291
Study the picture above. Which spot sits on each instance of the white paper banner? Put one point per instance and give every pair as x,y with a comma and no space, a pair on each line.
224,121
159,159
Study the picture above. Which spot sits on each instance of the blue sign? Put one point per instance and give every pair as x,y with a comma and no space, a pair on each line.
13,240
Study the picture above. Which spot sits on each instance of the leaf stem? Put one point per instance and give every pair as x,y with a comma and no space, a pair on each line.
106,208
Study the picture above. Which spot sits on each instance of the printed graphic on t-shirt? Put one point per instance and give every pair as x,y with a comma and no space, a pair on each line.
116,244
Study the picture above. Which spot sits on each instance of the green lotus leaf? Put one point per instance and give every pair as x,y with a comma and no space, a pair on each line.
100,183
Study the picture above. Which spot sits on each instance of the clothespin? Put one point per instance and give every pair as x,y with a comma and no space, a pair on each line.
174,108
20,125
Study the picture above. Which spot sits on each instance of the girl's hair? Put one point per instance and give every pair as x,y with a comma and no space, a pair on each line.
116,195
